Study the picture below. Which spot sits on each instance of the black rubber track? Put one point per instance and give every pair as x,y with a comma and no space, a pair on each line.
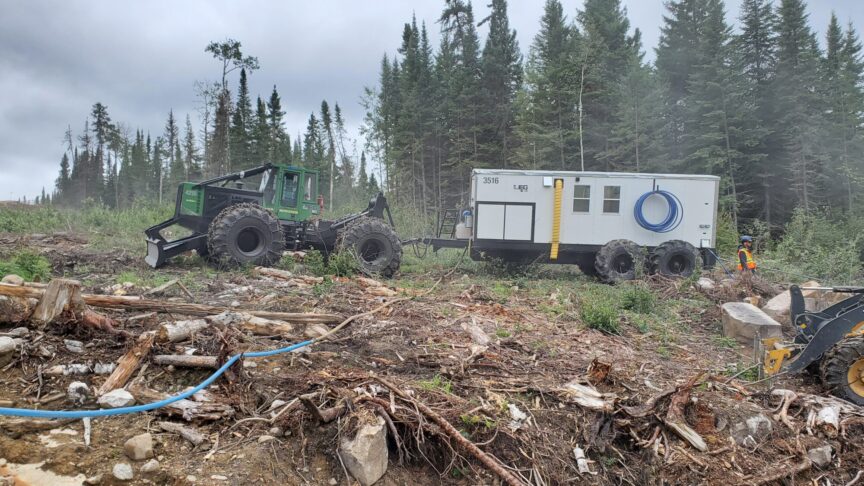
619,260
224,236
674,258
835,365
373,232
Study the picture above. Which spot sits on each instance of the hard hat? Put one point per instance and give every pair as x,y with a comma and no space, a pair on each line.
746,238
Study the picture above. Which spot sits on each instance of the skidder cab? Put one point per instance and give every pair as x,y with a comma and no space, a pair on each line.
239,226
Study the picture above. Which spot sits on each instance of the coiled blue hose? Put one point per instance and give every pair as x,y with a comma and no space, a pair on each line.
78,414
673,217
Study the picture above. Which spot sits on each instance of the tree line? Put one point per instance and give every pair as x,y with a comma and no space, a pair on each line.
108,163
766,107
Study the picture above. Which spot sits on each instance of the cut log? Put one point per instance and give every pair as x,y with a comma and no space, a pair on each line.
188,433
185,361
187,409
16,427
256,325
15,310
184,308
174,332
162,288
287,276
127,364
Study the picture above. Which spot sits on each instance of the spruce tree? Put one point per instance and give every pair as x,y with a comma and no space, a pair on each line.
279,144
192,159
500,79
547,120
63,181
241,127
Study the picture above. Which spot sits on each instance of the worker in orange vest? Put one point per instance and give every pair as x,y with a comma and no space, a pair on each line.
746,263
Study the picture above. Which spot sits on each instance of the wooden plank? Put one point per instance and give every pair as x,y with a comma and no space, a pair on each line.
128,363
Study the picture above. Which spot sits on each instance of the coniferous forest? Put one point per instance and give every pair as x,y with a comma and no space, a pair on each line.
766,104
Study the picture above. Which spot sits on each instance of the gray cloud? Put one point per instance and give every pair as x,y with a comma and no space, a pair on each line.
142,58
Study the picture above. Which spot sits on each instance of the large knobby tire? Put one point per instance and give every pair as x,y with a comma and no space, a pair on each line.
675,258
842,367
619,260
375,244
245,234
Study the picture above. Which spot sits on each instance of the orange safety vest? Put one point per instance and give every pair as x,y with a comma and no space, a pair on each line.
751,263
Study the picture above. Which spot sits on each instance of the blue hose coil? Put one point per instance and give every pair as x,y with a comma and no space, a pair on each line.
673,217
79,414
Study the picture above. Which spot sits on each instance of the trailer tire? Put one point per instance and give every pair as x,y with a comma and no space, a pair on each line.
674,258
245,234
841,370
375,244
619,260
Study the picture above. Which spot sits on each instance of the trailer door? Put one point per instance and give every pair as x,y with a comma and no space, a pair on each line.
502,221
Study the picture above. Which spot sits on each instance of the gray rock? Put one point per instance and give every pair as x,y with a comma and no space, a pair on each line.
705,284
275,431
8,349
265,438
744,322
821,456
116,399
123,472
73,346
756,427
365,456
13,279
151,466
778,308
78,392
139,447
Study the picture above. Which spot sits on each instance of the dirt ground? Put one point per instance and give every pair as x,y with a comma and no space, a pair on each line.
429,347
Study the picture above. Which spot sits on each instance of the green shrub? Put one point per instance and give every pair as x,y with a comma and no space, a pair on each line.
638,299
343,264
600,314
27,265
314,263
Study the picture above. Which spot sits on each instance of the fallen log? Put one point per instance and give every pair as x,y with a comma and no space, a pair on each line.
188,433
187,409
128,302
16,427
185,361
286,275
174,332
256,325
127,364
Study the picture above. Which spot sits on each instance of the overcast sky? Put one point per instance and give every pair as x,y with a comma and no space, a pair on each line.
141,59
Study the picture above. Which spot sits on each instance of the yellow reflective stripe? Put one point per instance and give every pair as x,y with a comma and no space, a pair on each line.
556,219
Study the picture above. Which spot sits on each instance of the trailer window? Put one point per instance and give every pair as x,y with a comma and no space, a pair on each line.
612,199
581,199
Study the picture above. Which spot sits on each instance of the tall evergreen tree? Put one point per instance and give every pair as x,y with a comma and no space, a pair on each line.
547,121
279,143
500,79
241,121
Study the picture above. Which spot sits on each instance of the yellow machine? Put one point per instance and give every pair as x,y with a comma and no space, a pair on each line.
832,339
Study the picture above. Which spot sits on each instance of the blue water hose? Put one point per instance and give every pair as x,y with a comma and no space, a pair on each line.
673,216
79,414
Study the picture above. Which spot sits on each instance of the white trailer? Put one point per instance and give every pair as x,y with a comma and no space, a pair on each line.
610,223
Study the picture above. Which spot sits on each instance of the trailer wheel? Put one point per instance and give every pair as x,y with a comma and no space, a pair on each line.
245,234
674,258
375,244
619,260
842,370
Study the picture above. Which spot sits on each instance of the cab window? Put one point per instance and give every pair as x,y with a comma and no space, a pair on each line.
289,190
307,192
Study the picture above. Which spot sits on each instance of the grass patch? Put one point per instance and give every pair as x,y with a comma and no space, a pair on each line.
638,299
27,265
600,314
726,342
437,383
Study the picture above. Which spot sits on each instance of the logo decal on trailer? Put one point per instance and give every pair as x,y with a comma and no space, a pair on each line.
521,187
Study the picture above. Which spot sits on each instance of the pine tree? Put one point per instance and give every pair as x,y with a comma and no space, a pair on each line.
547,120
191,160
241,127
799,104
279,143
260,134
756,61
500,79
176,172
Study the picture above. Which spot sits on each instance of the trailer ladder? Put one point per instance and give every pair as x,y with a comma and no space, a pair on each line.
448,222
